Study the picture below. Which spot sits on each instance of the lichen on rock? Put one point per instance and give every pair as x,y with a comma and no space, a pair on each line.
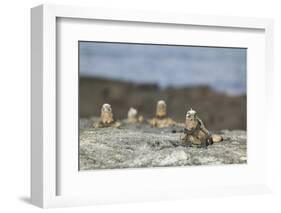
140,146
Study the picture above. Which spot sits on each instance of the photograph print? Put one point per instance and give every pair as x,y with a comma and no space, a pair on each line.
159,105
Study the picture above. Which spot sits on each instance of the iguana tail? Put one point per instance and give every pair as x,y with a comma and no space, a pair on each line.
216,138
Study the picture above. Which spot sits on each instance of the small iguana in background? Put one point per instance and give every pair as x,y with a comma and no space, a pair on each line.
133,116
161,118
106,119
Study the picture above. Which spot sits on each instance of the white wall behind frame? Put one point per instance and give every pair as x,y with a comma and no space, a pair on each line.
15,22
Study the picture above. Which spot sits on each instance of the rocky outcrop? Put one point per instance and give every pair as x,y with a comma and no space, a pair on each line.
139,145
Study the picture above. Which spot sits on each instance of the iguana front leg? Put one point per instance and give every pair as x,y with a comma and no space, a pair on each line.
187,140
203,128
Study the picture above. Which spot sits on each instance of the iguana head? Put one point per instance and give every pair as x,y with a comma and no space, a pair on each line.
106,114
161,109
191,114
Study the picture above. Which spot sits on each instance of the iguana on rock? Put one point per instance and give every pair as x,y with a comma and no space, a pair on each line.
106,119
133,116
161,119
196,133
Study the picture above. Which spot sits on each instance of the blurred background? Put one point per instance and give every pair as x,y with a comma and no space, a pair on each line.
210,80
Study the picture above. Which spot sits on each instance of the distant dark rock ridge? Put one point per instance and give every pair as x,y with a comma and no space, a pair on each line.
217,110
140,146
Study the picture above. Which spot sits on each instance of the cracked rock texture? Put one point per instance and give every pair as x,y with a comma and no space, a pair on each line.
140,146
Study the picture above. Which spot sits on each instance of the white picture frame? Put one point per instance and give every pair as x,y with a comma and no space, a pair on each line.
49,173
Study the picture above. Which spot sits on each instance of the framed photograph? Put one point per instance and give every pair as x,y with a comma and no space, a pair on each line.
130,106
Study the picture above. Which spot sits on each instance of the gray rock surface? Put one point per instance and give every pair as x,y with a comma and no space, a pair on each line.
139,145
